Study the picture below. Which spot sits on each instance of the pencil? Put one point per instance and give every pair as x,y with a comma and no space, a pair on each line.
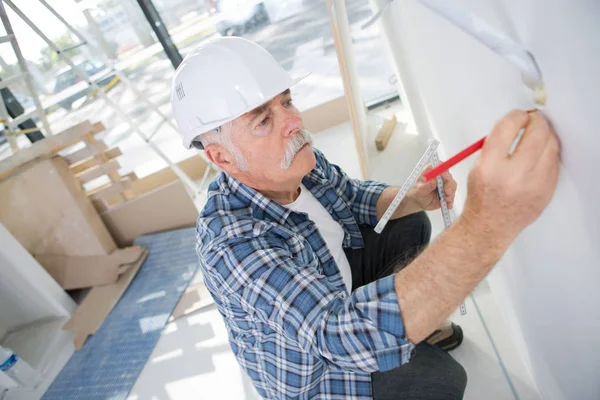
446,165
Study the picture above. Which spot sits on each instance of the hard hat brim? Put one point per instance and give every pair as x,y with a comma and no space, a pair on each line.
198,145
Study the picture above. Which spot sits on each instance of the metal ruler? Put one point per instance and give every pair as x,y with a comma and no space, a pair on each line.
408,184
445,211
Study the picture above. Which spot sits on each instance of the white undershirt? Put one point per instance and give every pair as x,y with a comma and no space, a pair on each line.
330,230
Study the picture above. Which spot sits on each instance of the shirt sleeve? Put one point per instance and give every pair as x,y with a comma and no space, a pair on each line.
360,332
361,195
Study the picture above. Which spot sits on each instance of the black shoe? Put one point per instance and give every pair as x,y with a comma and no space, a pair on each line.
448,337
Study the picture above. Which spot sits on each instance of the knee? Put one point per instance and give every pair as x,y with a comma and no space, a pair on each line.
450,377
457,378
413,229
422,220
430,374
446,373
420,226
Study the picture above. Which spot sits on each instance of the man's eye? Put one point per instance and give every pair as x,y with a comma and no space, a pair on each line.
264,121
288,102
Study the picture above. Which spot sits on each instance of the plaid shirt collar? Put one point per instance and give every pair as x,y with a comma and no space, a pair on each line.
263,208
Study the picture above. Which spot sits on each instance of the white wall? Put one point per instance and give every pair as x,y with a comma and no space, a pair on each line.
27,292
547,284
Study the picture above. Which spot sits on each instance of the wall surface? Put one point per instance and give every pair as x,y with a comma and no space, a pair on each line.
27,292
547,284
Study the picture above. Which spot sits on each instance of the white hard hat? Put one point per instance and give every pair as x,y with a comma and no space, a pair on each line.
221,80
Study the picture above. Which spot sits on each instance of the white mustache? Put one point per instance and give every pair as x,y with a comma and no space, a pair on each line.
294,145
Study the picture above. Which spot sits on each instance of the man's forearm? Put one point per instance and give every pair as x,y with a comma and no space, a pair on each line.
406,207
431,287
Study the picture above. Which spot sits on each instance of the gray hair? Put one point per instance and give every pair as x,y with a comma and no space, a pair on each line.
222,136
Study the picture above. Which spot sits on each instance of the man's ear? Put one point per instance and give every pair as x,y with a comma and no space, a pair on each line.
221,157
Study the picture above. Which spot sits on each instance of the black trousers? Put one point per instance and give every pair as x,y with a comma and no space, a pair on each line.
431,374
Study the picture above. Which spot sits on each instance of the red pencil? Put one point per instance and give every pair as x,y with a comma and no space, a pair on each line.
446,165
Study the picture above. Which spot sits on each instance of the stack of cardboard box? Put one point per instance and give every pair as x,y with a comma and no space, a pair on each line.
45,207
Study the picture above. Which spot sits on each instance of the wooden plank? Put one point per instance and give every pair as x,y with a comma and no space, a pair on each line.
98,171
45,147
88,151
92,162
109,189
112,175
115,177
92,148
132,176
109,202
385,133
97,127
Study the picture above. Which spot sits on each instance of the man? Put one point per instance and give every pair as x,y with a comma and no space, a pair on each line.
317,305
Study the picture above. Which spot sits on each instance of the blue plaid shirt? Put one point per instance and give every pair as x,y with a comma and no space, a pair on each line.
292,324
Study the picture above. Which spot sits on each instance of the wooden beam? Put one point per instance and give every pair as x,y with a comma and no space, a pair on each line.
92,162
114,176
109,202
97,127
132,176
45,147
109,189
88,151
98,171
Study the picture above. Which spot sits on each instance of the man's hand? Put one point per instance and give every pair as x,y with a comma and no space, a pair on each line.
422,196
507,193
504,195
425,194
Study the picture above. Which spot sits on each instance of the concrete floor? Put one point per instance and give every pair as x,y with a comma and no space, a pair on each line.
193,360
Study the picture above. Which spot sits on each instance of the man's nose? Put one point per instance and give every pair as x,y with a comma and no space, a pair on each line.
292,123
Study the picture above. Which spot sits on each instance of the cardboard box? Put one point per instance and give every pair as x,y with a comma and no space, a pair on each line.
98,304
44,207
194,167
83,272
166,208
